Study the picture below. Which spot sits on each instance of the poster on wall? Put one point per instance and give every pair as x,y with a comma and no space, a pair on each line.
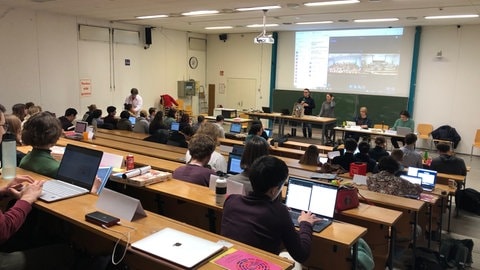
85,87
221,88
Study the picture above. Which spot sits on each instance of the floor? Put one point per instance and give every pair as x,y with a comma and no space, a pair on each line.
466,225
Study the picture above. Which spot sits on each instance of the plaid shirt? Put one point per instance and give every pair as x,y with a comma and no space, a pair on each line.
385,182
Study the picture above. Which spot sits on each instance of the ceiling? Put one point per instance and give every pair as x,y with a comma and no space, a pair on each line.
409,13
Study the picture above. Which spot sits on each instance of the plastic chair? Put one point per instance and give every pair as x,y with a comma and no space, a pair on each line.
475,144
424,131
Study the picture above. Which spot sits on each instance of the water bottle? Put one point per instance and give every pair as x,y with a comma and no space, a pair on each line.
425,155
220,190
9,156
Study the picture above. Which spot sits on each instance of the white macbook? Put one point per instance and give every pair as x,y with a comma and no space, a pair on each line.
403,131
178,247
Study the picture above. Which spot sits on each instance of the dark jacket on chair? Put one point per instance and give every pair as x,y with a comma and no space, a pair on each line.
447,133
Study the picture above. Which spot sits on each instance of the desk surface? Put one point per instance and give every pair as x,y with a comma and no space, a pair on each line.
380,215
305,118
370,131
230,120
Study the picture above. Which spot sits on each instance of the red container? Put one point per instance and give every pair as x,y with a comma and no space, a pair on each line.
129,162
359,168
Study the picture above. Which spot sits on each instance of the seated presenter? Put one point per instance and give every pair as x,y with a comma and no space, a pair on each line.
308,104
362,121
261,220
403,121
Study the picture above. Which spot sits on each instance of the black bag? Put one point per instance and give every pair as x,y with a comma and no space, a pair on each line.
427,259
468,199
280,140
456,253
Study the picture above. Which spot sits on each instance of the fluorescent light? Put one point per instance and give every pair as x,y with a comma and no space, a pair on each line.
331,3
376,20
451,16
258,8
151,16
218,27
306,23
200,12
261,25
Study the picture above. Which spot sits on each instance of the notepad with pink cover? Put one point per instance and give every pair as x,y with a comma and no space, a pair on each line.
239,259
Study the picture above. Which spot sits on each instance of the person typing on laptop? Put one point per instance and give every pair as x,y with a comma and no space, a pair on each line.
261,220
403,121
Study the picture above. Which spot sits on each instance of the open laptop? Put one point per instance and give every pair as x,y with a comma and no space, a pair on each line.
429,177
269,132
75,176
350,123
403,131
175,126
236,128
266,109
306,195
132,120
234,164
77,133
178,247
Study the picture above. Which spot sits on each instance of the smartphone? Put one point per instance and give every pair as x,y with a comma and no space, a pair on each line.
100,218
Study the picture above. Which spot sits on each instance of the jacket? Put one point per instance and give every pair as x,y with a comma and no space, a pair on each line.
447,133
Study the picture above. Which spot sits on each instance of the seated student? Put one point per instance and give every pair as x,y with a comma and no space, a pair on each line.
219,120
13,126
184,121
310,157
386,182
264,134
255,130
347,157
200,121
403,121
129,108
124,123
411,158
151,114
57,256
378,151
41,131
397,154
217,161
95,118
254,149
110,119
90,108
141,124
180,138
170,118
261,220
446,162
196,171
157,123
362,156
362,121
66,121
31,110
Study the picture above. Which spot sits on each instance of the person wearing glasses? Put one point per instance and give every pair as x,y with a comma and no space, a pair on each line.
308,104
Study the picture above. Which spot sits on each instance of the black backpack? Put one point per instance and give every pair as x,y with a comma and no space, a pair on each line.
456,253
468,199
427,259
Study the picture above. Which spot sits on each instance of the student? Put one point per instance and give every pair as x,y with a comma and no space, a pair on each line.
446,162
328,110
180,138
141,124
151,114
136,100
90,108
95,118
255,130
254,149
219,120
386,182
261,220
111,120
348,157
19,110
362,156
184,121
397,154
217,161
157,123
7,126
308,104
124,122
411,158
41,131
170,118
310,157
403,121
66,121
200,121
378,151
362,121
196,171
31,111
264,133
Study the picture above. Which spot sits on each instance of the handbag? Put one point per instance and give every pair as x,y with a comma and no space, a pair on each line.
347,198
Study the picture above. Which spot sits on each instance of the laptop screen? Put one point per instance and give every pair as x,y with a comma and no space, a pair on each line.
79,166
428,176
175,126
80,126
234,164
268,132
307,195
132,120
266,109
236,128
412,179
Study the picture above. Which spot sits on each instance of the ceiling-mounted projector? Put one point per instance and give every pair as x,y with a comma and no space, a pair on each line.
268,39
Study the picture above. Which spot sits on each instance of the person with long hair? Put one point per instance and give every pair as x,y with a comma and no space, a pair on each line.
311,155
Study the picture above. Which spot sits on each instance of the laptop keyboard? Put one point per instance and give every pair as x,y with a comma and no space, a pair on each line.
317,227
61,189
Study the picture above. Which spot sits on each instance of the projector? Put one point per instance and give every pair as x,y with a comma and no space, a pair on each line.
267,39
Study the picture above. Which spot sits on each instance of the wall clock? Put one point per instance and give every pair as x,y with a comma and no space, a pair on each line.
193,62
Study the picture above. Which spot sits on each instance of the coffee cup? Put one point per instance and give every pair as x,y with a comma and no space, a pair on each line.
275,144
452,183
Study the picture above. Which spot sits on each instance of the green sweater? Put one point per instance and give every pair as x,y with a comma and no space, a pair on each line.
40,161
409,123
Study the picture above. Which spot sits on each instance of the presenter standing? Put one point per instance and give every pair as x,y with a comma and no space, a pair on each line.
136,100
308,104
328,110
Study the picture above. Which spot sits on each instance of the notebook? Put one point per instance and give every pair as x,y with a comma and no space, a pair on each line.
77,133
269,132
234,164
103,173
75,176
175,126
266,109
403,131
235,128
132,120
428,177
178,247
319,198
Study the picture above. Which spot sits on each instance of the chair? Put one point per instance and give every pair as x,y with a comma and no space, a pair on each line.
475,144
381,126
424,131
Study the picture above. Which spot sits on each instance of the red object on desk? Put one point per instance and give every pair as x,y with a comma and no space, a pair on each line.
359,168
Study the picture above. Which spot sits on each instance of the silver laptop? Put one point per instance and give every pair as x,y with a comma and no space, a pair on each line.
305,195
80,127
178,247
236,128
403,131
428,177
75,176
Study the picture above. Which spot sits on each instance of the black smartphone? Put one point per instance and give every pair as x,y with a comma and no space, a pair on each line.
100,218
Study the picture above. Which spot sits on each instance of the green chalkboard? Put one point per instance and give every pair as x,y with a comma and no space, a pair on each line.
380,108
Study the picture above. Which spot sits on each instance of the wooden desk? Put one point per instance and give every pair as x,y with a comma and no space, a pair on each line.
73,211
229,120
277,151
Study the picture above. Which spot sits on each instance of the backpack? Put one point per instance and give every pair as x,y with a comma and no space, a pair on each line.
281,140
427,259
456,253
468,199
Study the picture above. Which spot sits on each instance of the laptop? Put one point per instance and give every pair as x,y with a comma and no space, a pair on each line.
234,164
266,109
175,126
237,150
77,133
178,247
319,198
429,177
132,120
236,128
403,131
76,174
269,132
412,179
